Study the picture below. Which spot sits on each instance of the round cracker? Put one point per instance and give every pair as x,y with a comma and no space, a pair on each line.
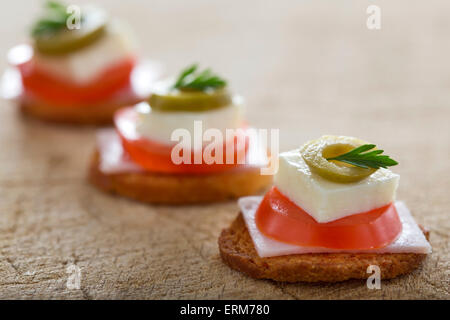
237,251
177,189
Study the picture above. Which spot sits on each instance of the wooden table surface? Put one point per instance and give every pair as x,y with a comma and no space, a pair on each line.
306,67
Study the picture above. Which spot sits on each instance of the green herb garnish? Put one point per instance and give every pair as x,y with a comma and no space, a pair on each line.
190,79
362,157
54,20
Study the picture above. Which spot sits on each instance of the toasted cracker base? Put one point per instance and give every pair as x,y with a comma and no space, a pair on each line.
237,250
101,114
176,189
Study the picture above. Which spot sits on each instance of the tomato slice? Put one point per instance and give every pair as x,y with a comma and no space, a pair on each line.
52,89
155,156
280,219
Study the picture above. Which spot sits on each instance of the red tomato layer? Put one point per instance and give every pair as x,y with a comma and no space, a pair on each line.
155,156
280,219
55,90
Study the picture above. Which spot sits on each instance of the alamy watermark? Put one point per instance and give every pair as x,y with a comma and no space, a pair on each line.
374,19
212,146
73,21
374,281
74,278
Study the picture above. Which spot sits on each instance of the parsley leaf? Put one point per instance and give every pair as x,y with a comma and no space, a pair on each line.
362,157
54,20
189,78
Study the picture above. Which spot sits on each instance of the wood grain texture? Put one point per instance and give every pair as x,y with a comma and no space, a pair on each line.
306,67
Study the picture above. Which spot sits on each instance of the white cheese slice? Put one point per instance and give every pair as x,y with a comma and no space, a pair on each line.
325,200
159,126
410,240
82,66
114,159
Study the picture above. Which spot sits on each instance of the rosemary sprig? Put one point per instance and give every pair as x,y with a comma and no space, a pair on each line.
362,157
189,78
54,20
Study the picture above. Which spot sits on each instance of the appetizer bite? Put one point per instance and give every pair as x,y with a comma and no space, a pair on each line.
79,67
330,215
141,158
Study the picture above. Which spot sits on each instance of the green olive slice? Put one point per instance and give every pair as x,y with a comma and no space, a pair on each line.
166,99
93,26
316,152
